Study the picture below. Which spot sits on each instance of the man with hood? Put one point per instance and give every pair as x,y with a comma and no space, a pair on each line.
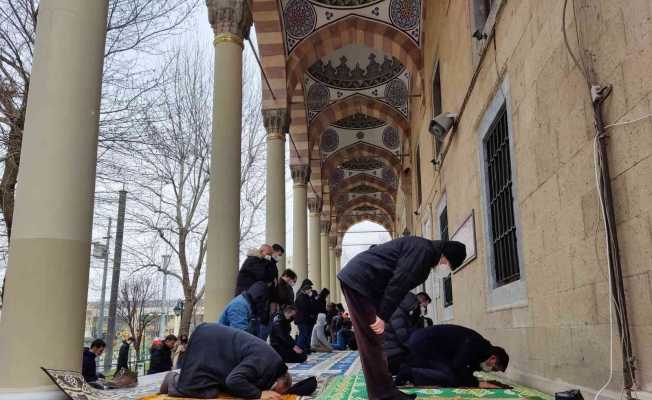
306,314
247,368
403,323
319,342
240,313
374,283
280,337
448,355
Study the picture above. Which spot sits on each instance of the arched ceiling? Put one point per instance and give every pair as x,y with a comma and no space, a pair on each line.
350,69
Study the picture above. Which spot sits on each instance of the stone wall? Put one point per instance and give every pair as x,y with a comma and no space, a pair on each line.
561,335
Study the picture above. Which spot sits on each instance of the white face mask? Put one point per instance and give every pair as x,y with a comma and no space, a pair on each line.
276,258
268,257
486,367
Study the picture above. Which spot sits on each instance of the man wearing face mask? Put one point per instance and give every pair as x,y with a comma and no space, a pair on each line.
374,283
448,355
282,341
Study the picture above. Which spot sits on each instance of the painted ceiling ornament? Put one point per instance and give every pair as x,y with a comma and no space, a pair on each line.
365,208
359,135
391,138
300,18
389,176
363,164
387,199
344,76
363,189
405,14
336,176
396,93
346,3
329,140
359,121
318,97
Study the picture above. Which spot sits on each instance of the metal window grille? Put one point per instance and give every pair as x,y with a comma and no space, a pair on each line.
436,108
448,290
501,199
443,224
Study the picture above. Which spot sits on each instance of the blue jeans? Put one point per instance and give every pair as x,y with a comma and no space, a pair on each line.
305,334
264,330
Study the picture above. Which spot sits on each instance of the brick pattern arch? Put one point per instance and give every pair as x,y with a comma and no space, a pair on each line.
271,48
349,207
360,150
352,105
353,30
348,184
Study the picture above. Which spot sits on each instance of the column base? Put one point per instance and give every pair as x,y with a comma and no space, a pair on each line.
36,393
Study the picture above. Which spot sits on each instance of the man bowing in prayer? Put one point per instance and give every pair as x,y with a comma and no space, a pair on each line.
220,359
374,282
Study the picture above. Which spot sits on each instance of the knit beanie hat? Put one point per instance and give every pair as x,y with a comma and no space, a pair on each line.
455,252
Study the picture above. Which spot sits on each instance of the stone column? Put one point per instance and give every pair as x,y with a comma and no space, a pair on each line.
47,275
331,271
300,176
314,244
231,20
338,267
276,124
324,263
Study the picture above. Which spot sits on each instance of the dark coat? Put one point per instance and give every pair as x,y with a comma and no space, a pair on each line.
307,308
221,359
255,269
461,348
123,356
89,366
160,359
280,337
284,293
387,272
403,323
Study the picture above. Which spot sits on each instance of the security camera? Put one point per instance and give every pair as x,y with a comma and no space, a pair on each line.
442,124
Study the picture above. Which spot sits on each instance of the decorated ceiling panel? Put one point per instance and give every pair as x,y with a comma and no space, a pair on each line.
356,69
303,17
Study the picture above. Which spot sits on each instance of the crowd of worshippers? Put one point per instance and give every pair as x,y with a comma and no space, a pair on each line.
385,322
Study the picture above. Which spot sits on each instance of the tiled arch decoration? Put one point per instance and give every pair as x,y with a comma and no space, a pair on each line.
348,184
380,206
359,150
352,105
350,30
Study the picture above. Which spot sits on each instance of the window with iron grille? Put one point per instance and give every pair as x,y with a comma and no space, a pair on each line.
501,199
443,224
436,108
447,282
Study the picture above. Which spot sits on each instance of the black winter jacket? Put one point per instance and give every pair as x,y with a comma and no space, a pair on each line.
461,348
255,269
387,272
160,359
403,323
307,308
284,293
222,359
89,366
280,337
123,356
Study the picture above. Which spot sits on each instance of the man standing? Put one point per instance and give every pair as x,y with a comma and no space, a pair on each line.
123,355
160,359
247,368
306,316
285,288
448,355
374,283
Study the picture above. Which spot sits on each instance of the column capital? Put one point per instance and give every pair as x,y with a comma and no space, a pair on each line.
276,123
338,252
314,204
230,19
325,227
332,242
300,173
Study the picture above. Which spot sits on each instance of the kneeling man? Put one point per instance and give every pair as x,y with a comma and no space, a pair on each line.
448,355
220,359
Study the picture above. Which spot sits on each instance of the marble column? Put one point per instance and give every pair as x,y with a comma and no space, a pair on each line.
331,271
47,275
231,21
324,263
314,243
338,267
300,176
276,124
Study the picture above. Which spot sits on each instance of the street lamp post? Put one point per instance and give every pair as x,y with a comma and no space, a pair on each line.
102,251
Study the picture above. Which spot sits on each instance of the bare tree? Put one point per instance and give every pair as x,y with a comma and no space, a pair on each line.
134,28
136,294
171,177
